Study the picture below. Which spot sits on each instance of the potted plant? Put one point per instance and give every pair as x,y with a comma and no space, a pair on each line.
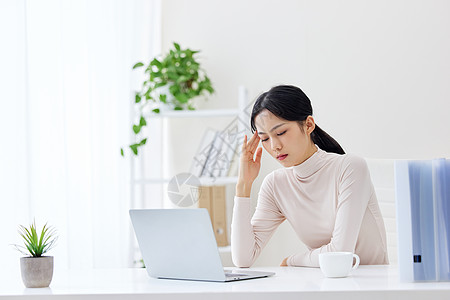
36,269
172,82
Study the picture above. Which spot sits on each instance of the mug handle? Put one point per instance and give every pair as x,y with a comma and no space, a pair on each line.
356,261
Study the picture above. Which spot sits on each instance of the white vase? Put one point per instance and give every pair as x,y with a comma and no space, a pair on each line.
37,272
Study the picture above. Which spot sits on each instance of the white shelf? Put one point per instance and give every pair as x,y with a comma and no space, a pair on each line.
205,181
218,180
202,113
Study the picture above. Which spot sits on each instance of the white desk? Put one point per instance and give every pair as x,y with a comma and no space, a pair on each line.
368,282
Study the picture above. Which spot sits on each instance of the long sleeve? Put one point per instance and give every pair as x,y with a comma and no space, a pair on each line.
354,192
250,234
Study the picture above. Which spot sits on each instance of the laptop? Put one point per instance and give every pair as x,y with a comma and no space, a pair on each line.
180,244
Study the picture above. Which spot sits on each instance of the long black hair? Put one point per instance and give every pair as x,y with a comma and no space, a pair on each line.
291,103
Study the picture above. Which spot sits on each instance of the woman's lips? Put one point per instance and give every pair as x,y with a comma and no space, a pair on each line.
282,156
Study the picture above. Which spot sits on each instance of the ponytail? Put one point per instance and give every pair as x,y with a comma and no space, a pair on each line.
325,141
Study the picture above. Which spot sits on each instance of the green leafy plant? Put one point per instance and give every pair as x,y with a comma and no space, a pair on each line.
36,245
175,80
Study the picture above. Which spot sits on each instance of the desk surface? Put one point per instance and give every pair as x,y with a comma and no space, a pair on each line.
369,282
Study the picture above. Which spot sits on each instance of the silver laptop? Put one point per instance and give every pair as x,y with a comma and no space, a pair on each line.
180,244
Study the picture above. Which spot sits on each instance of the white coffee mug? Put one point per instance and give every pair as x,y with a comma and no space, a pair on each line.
337,264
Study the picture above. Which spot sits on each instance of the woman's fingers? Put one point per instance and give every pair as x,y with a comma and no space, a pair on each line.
244,144
258,155
249,148
253,143
284,263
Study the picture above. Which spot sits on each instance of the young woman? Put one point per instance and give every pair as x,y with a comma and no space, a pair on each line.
326,195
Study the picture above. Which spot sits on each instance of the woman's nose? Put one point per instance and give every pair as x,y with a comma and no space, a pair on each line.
276,145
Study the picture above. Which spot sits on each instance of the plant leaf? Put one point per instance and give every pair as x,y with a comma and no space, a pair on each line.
173,75
156,110
137,98
177,46
43,233
163,98
26,234
31,250
21,249
134,148
138,65
121,152
159,84
142,121
47,236
36,244
183,98
143,142
156,75
136,129
174,89
147,94
155,62
182,78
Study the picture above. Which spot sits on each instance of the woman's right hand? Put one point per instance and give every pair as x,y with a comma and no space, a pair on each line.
249,165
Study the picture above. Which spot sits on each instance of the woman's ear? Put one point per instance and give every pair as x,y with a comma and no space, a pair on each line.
310,124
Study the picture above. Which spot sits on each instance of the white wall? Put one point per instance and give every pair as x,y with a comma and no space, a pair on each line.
376,72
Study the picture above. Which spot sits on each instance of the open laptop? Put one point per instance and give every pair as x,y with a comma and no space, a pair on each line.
180,244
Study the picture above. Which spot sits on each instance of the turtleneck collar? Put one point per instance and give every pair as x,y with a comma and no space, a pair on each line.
310,166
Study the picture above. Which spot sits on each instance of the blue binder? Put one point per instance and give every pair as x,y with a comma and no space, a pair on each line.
441,189
423,219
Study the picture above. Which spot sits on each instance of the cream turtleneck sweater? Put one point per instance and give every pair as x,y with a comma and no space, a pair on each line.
330,202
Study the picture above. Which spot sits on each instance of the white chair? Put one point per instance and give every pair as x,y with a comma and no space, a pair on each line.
383,179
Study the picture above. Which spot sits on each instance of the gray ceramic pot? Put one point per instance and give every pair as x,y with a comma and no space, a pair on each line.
37,272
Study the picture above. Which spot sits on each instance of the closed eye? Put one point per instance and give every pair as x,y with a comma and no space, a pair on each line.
278,134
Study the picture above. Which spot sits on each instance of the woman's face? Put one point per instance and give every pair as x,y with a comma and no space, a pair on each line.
285,140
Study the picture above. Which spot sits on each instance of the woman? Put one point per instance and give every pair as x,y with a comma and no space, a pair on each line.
326,195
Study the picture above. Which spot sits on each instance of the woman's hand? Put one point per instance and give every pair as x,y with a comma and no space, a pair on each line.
249,165
284,263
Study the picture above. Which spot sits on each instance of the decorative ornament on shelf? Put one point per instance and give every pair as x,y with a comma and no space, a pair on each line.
172,82
36,269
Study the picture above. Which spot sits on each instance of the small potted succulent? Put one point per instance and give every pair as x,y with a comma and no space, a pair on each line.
36,269
172,82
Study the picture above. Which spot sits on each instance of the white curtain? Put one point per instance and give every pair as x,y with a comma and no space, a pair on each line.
66,85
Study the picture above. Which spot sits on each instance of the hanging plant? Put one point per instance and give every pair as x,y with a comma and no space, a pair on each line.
173,82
